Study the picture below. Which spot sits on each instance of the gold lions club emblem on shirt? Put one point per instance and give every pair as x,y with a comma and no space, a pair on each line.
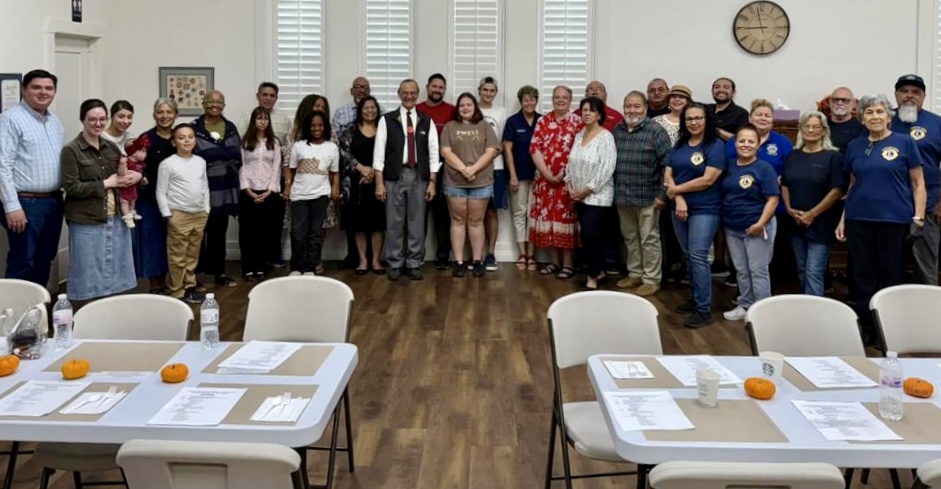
890,153
772,150
746,181
918,133
697,158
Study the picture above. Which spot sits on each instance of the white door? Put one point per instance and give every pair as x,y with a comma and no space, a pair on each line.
73,62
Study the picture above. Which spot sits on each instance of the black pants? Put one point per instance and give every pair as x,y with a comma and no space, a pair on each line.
783,267
671,251
442,221
307,233
877,250
591,221
212,253
611,236
259,230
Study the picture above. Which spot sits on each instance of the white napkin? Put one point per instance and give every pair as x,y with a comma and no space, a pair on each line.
87,403
243,370
275,411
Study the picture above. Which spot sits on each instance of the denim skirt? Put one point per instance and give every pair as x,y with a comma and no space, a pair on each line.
100,260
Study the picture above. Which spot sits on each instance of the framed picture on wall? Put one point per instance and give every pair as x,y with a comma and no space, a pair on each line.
187,86
9,90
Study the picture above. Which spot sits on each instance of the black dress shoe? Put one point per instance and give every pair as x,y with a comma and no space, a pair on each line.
415,274
394,274
698,320
442,264
687,307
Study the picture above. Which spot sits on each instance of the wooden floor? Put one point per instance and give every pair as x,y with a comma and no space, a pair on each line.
453,389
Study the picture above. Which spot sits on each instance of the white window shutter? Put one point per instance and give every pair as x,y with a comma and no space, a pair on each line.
388,48
477,44
299,51
565,44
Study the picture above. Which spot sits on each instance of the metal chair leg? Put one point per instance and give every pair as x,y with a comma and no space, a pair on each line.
566,465
302,470
331,463
642,476
349,428
551,451
864,477
848,477
894,475
44,480
11,465
77,478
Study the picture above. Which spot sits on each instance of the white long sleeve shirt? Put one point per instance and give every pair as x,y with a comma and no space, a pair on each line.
379,154
182,185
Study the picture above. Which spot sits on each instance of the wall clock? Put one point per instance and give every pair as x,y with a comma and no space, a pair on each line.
761,27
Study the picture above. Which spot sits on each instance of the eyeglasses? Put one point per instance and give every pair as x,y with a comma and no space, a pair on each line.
657,90
698,118
843,101
97,121
213,102
360,87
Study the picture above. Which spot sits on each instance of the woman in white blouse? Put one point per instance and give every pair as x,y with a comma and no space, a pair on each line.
589,181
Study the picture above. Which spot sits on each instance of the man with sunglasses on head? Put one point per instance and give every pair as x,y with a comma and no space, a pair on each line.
31,140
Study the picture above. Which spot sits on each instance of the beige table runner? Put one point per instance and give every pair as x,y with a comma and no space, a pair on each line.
121,357
662,378
733,420
921,424
255,395
864,365
304,362
101,387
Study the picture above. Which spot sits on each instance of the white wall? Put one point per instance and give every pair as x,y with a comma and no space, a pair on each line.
864,45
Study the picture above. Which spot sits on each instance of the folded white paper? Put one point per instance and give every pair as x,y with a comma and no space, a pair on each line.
275,410
829,372
37,398
198,406
844,421
684,368
628,369
646,410
259,357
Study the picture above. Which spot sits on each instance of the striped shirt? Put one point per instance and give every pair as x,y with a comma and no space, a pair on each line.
642,155
30,146
343,118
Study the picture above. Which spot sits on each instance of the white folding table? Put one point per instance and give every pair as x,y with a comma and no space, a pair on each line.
804,443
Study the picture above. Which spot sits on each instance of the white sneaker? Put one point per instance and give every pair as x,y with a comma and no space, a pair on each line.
736,314
295,273
311,274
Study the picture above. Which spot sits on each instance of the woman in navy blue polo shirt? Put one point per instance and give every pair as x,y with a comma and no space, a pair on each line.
885,205
517,135
811,183
692,181
750,195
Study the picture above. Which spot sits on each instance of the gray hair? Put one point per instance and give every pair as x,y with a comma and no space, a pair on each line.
639,94
827,144
868,101
166,101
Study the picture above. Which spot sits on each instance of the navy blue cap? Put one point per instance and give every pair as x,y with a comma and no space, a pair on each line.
913,80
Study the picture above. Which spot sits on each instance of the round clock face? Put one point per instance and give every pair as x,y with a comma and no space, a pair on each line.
761,27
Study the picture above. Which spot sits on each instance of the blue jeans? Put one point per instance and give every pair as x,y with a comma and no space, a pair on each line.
751,256
812,259
695,236
32,251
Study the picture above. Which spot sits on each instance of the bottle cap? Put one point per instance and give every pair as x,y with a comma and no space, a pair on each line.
891,354
63,297
210,296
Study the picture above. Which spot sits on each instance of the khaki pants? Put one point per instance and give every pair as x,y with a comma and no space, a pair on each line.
640,227
184,237
520,203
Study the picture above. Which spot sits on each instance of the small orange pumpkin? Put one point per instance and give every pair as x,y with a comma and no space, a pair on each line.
75,369
9,364
174,373
917,387
760,388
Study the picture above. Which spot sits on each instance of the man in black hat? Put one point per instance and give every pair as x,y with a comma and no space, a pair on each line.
924,127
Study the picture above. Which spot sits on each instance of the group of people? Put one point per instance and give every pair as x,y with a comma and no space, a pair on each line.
658,179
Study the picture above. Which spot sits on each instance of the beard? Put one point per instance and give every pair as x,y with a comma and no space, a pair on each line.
908,113
435,97
840,111
633,121
720,98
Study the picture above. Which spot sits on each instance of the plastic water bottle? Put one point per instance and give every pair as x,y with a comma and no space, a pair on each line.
209,322
890,388
62,323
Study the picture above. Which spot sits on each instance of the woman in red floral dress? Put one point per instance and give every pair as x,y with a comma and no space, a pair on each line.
552,218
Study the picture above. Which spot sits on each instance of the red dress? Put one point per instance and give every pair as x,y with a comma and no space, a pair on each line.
552,217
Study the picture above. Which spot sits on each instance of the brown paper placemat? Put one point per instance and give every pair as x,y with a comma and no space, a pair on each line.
120,356
56,416
304,362
662,378
256,394
921,424
732,420
864,365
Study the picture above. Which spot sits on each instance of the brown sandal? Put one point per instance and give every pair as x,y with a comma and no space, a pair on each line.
531,264
521,262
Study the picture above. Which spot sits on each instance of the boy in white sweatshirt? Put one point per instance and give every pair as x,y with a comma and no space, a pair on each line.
183,200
